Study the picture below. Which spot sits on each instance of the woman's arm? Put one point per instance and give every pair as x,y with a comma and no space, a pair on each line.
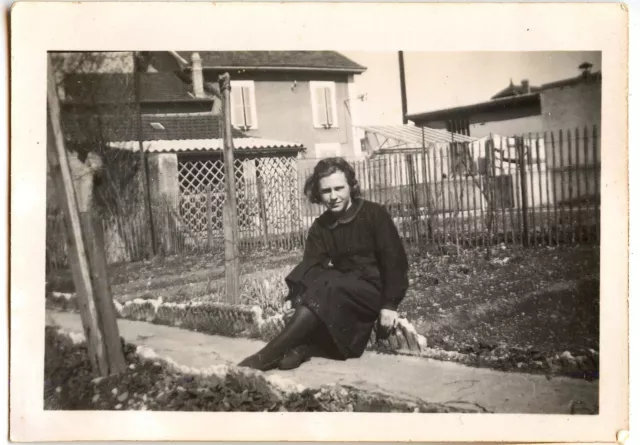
314,247
392,260
315,252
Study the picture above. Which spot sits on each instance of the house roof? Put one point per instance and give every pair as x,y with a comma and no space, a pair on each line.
81,127
409,136
501,103
515,90
247,144
491,105
327,61
591,77
113,88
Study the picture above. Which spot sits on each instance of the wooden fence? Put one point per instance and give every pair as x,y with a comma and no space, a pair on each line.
529,189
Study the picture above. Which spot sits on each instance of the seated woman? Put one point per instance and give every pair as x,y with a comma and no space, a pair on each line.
353,273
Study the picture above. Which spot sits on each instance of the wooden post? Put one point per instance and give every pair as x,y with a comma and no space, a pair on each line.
209,216
263,213
523,185
230,216
84,237
413,190
151,244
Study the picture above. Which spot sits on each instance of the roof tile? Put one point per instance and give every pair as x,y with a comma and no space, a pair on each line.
320,60
82,127
100,88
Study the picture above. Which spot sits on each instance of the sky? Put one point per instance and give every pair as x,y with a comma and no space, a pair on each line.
437,80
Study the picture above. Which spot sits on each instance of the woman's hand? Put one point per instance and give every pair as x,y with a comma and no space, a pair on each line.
288,310
388,321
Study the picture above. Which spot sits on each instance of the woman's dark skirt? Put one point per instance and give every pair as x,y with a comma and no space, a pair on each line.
347,305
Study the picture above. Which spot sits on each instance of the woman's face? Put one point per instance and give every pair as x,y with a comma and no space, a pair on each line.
335,192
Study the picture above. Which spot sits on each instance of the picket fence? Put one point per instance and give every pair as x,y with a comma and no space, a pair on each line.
529,189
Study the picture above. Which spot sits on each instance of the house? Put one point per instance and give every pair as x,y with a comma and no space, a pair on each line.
180,131
563,106
301,96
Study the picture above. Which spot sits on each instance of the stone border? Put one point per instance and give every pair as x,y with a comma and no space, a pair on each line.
233,321
249,322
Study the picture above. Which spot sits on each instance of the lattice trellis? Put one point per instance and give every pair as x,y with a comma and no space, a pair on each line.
280,192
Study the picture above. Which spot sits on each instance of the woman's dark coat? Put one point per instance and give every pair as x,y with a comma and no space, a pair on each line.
353,267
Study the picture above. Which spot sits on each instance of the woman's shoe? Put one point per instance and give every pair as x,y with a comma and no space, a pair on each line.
256,361
296,357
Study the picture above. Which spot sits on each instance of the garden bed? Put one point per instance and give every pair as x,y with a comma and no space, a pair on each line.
533,310
157,384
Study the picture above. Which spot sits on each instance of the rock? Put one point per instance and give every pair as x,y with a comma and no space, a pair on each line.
132,366
95,398
566,355
583,361
122,397
114,391
520,365
58,389
119,406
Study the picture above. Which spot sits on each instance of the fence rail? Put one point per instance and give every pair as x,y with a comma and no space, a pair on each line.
529,189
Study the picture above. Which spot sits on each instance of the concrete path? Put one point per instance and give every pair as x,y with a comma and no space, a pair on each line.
429,380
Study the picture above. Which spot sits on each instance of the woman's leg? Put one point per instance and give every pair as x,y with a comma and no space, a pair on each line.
302,324
318,344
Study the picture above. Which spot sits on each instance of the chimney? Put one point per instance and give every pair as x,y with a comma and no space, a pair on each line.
196,75
526,89
586,69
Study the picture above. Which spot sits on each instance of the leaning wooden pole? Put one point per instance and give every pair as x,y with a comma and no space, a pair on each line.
230,215
86,250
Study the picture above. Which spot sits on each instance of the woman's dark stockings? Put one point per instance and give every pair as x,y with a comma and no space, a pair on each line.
300,327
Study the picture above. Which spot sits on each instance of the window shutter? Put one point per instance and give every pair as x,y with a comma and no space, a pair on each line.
329,106
246,100
237,116
321,109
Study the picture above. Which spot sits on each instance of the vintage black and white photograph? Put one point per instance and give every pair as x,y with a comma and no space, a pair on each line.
316,229
323,231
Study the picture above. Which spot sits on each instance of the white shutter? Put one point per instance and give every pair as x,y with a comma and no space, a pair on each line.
321,109
328,100
237,107
248,111
323,101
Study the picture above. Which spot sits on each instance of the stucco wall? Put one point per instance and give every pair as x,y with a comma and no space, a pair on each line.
284,112
570,108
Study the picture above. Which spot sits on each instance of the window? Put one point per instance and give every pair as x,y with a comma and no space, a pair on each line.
328,149
323,100
243,105
459,126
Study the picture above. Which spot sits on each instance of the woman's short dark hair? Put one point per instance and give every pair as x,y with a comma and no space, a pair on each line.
324,168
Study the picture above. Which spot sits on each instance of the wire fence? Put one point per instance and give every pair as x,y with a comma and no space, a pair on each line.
528,189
